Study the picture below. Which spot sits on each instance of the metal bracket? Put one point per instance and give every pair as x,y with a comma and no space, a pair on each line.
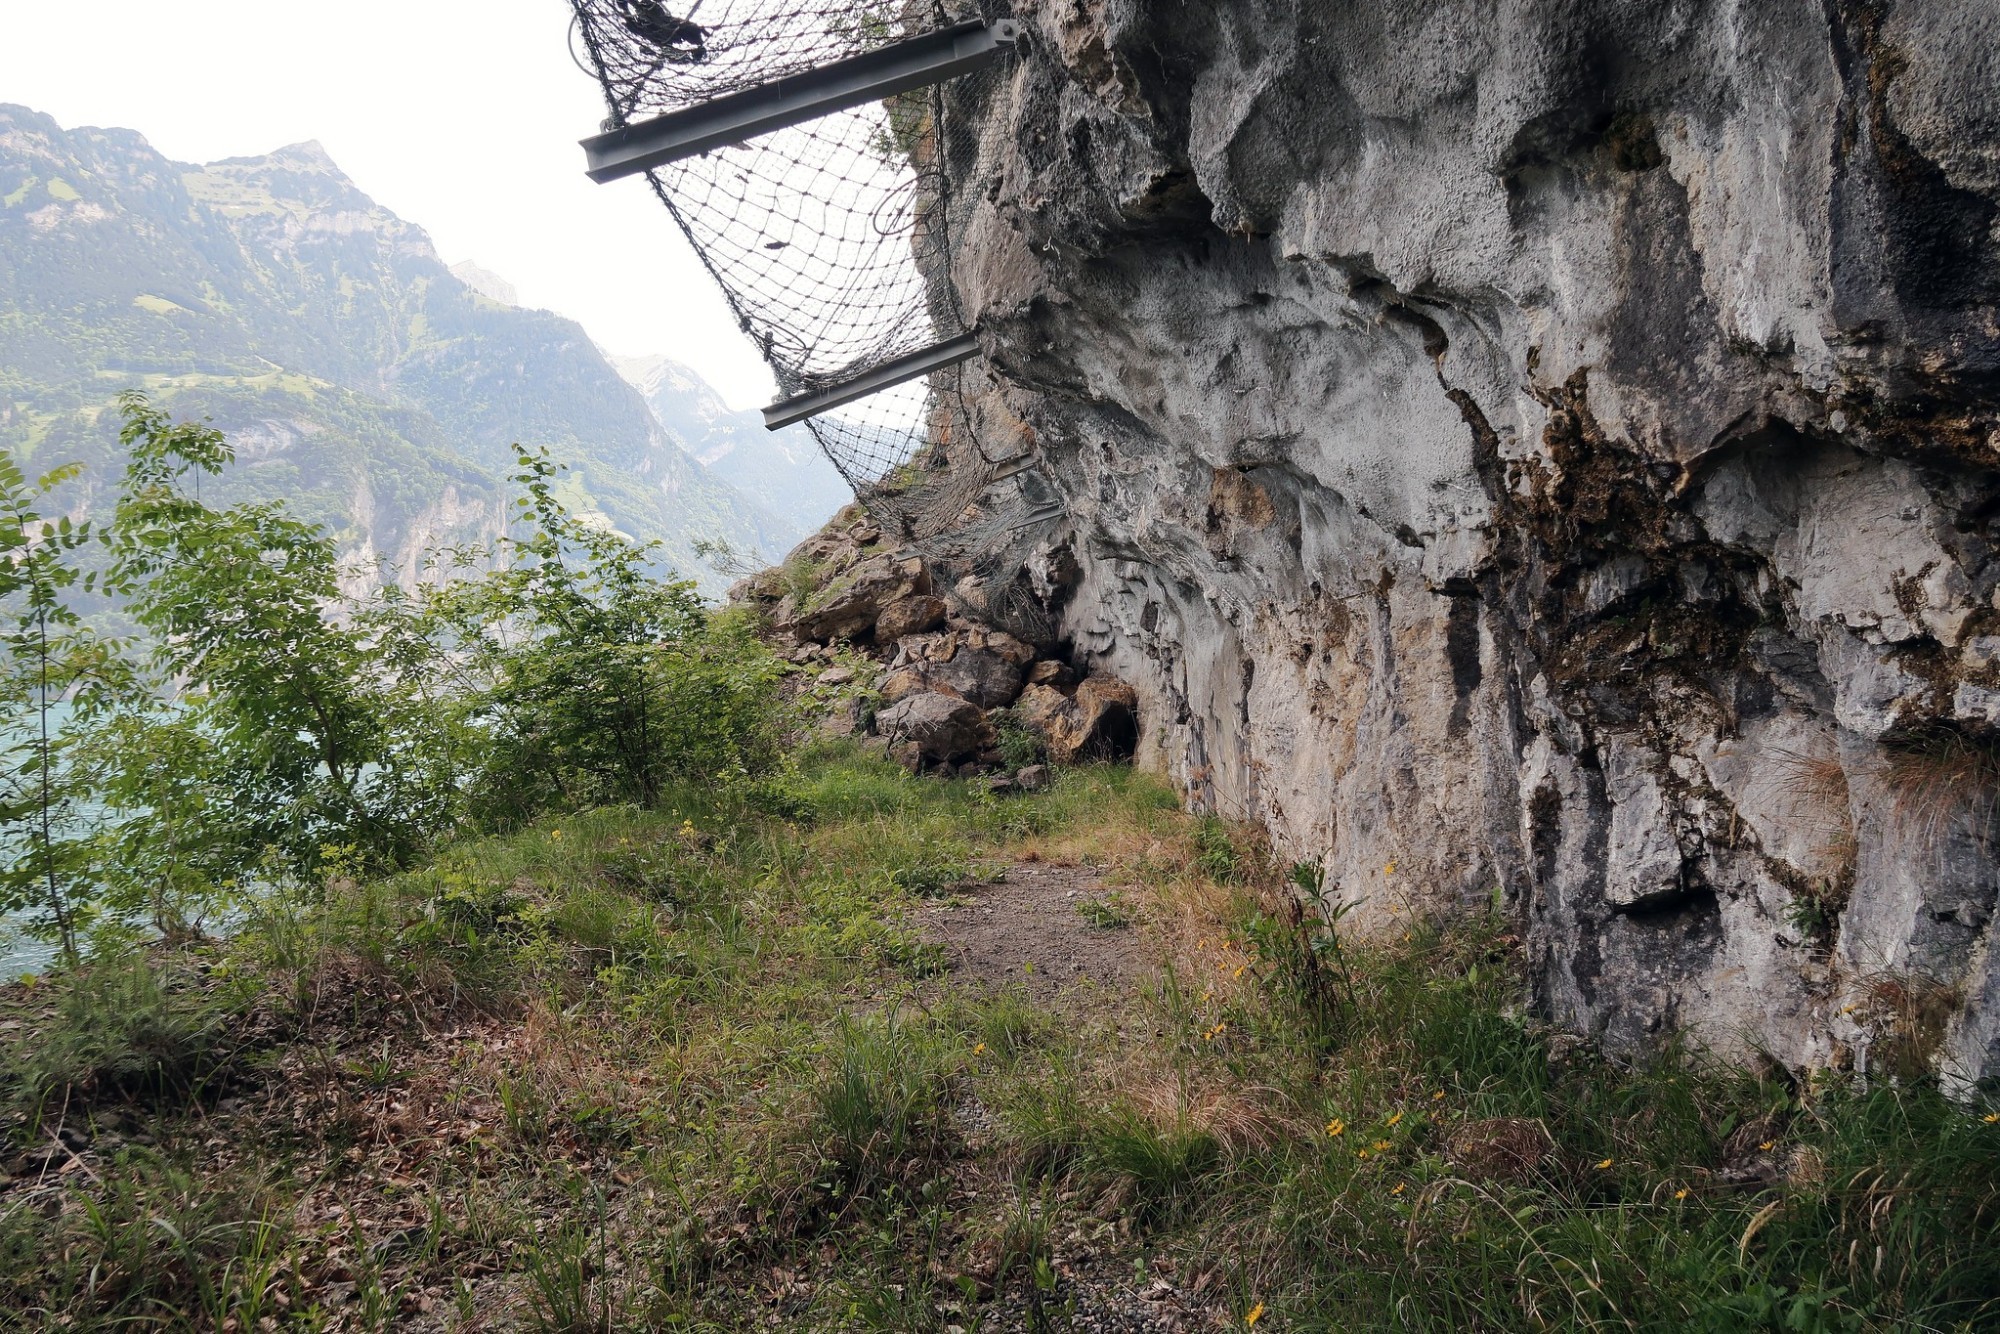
890,373
869,77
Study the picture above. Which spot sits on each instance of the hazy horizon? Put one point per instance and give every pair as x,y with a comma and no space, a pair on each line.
467,129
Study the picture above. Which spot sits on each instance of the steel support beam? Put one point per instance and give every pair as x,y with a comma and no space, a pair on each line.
887,375
869,77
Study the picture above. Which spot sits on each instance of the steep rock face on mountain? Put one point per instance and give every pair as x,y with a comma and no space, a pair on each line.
1543,453
361,380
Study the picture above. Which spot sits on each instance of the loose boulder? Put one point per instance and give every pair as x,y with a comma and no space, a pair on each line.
912,615
1100,721
939,726
901,684
979,675
1051,673
851,603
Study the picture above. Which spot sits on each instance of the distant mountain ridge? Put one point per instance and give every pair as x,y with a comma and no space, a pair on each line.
361,379
784,471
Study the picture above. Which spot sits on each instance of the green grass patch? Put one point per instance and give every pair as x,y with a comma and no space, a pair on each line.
697,1067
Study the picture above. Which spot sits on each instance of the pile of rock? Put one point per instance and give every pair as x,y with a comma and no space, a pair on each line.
935,682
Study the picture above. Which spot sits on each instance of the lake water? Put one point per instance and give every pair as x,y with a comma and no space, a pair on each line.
20,954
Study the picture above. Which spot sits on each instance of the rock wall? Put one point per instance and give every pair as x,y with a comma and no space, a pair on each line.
1541,452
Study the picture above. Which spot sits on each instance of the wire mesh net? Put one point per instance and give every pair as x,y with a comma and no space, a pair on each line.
832,240
652,60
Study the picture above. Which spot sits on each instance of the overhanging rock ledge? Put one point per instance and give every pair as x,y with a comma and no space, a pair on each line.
1549,448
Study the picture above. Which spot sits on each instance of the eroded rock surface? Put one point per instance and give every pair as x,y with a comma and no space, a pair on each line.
1548,447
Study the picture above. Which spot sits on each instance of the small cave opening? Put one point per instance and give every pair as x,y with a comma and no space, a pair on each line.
1116,737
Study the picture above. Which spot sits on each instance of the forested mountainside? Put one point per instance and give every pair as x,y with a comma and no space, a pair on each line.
359,377
783,471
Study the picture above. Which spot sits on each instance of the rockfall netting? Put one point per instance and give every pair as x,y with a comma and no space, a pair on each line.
833,239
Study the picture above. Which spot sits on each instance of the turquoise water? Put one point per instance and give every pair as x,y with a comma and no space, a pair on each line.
19,954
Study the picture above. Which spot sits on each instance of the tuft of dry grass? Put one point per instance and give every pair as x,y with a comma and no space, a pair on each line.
1820,780
1510,1149
1239,1119
1938,778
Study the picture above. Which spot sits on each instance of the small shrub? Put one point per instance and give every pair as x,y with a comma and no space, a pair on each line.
1162,1165
121,1027
1006,1024
567,1293
1019,744
802,577
930,879
1216,855
879,1108
1107,913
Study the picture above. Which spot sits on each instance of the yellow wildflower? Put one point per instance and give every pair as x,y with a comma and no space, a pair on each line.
1606,1163
556,834
1361,1153
1239,971
1256,1314
1438,1096
1394,1119
1336,1127
1681,1194
1390,869
1398,1189
1990,1120
1767,1146
980,1048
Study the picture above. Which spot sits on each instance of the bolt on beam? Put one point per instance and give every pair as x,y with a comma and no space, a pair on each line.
870,77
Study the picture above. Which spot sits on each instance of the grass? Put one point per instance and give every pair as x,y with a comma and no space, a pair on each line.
695,1068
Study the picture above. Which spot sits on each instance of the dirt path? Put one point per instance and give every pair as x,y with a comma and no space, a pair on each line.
1067,939
1051,929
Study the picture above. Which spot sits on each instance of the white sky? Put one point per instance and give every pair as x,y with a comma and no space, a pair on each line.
461,116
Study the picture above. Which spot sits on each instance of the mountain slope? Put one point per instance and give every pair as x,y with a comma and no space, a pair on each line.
362,379
783,471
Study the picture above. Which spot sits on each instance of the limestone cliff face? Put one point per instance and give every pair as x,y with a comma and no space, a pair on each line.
1549,446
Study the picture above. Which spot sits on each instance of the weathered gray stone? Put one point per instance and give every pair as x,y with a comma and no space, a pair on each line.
982,676
1567,473
909,616
1050,673
1098,721
940,726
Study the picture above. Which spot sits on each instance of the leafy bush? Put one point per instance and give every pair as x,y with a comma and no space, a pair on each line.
588,681
275,727
1019,744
